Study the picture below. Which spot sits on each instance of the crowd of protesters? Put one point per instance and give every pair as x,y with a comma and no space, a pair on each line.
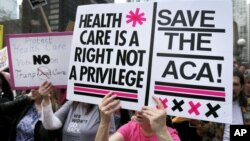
39,115
44,114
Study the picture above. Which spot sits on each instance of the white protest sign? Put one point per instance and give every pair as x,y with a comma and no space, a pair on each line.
37,3
179,51
110,55
3,59
34,58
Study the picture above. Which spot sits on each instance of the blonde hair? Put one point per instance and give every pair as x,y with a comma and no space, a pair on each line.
88,106
54,100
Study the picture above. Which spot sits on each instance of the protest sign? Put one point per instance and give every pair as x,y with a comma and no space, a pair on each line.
34,58
4,59
37,3
179,51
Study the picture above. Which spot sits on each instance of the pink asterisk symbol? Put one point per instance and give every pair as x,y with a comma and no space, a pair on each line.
135,17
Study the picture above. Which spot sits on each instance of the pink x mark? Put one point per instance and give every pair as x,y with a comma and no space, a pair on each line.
194,108
164,102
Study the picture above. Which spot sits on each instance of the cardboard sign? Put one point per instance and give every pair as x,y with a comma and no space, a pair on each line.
34,58
179,51
4,59
37,3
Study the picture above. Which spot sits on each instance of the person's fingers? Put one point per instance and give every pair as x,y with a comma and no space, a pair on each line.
116,107
110,105
147,108
158,102
47,85
107,96
108,99
48,89
148,111
146,115
44,83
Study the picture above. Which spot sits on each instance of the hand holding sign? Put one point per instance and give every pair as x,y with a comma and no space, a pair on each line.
45,89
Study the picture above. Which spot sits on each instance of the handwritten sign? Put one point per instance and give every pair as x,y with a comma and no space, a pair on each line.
35,58
177,51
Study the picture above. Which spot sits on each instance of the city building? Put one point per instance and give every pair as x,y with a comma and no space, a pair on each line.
248,31
58,13
240,17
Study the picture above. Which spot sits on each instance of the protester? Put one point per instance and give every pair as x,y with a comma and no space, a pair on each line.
239,101
25,113
79,121
235,63
150,123
186,128
222,131
242,68
6,95
246,109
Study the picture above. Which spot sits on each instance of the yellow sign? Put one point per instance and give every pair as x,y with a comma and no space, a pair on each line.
1,36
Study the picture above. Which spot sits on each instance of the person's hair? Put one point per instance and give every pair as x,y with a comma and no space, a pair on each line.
88,106
247,74
54,100
236,73
241,96
6,89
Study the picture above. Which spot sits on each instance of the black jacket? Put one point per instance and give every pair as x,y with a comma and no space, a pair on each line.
17,110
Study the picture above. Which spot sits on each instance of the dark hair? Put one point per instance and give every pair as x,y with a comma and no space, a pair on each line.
237,73
242,97
6,89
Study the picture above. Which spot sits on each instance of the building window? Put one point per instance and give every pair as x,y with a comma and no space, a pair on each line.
54,22
53,6
54,1
54,11
53,16
55,27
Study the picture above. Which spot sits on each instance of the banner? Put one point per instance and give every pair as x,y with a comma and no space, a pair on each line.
35,58
179,51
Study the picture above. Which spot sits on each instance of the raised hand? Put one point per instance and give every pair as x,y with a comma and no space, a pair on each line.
45,88
108,106
156,116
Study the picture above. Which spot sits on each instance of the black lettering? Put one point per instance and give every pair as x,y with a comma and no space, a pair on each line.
179,14
209,75
134,39
182,70
167,71
191,18
161,15
199,41
191,41
73,73
205,17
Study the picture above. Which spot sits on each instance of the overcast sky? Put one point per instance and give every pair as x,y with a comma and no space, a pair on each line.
19,2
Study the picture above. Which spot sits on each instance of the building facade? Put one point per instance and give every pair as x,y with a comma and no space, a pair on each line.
58,13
